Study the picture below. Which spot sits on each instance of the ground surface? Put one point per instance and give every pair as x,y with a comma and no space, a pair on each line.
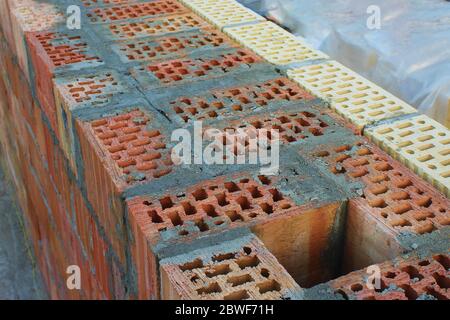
19,279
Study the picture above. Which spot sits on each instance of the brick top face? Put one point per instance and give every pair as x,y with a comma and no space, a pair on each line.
247,271
410,279
234,101
64,49
211,205
136,10
179,71
395,195
136,152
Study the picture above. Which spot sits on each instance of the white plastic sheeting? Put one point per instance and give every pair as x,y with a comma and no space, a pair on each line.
409,55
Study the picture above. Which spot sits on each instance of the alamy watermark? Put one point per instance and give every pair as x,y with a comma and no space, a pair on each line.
227,147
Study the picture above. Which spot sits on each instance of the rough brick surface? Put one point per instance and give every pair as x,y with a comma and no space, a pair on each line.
180,71
414,278
234,101
136,10
238,270
152,27
175,46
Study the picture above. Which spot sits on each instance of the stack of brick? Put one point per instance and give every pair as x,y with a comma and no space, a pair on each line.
86,120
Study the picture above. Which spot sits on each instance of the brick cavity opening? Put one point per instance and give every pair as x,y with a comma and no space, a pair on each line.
393,200
298,236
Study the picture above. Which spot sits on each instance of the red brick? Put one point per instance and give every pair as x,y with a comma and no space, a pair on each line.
394,200
237,270
172,46
137,10
119,152
296,234
180,71
152,27
402,279
239,100
50,51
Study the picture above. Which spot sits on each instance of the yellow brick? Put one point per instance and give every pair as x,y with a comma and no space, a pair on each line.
354,97
422,144
273,43
222,13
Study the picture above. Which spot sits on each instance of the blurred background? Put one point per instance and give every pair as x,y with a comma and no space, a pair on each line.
407,53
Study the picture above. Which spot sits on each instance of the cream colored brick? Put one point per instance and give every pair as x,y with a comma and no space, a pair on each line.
273,43
422,144
354,97
222,13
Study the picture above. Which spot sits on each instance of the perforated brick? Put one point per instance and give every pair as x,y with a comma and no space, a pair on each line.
137,152
172,46
422,144
411,279
53,52
97,3
291,126
137,10
152,27
238,270
89,91
273,43
223,12
354,97
233,101
208,206
392,193
194,214
65,49
30,16
185,70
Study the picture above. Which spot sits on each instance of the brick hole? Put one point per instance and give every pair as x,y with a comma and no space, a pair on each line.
412,272
194,278
231,187
276,195
188,208
434,293
267,208
247,250
200,194
410,293
240,280
211,288
155,217
238,295
210,210
223,257
356,287
443,260
383,166
379,189
342,293
218,270
202,225
423,215
400,222
377,203
424,201
255,192
265,273
183,233
322,154
247,262
390,275
243,203
442,281
166,203
402,208
175,218
268,286
222,199
427,228
196,264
